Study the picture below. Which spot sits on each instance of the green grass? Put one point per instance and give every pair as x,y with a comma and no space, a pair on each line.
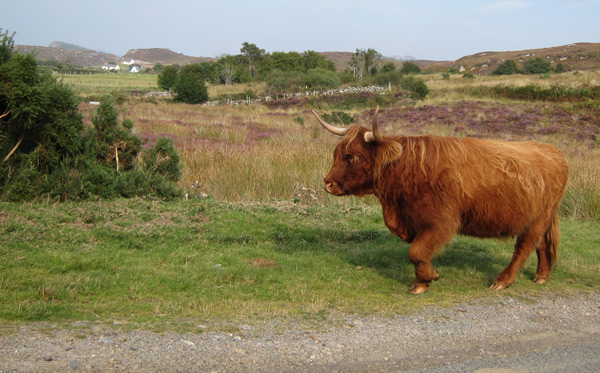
99,84
161,263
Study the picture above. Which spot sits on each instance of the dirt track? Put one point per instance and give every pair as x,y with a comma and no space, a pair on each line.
507,334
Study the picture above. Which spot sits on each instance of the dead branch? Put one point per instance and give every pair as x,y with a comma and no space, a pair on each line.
13,149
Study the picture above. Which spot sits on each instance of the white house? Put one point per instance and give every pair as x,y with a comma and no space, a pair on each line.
131,62
111,66
135,69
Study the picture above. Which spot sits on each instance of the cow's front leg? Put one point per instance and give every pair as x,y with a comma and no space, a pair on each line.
421,251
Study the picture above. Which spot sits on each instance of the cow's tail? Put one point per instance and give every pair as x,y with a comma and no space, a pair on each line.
552,238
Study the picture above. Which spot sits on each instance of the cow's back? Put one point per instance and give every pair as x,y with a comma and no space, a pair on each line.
476,187
507,186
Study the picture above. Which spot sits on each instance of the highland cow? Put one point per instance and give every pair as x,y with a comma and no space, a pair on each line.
432,188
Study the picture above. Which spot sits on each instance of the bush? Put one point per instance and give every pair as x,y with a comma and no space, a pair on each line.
508,67
339,117
537,65
164,160
321,79
538,93
410,68
384,78
288,81
417,87
190,87
42,117
114,145
168,77
47,153
346,77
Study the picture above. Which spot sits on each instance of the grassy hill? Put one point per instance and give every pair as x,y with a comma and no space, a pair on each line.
163,56
577,56
74,57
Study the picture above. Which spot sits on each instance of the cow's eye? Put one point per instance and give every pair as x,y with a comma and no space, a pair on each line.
352,158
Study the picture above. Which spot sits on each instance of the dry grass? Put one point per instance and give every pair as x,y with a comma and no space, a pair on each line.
240,153
253,153
453,88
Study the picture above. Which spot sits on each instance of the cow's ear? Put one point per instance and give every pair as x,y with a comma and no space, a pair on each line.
387,152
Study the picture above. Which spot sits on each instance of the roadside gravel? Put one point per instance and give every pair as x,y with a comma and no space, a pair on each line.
510,334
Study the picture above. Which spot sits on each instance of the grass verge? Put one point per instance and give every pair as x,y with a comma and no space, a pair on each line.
161,263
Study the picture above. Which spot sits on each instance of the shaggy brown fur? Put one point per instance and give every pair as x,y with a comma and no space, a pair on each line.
432,188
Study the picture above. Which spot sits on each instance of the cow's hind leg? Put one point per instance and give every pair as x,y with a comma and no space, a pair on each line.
546,252
526,243
421,251
544,264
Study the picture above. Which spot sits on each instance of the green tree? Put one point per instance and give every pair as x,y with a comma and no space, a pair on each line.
286,61
190,87
363,61
537,65
253,55
313,60
508,67
168,77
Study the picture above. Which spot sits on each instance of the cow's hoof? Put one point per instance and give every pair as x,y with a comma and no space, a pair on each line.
498,286
418,288
540,279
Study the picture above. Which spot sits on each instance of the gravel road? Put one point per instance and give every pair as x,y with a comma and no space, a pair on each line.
551,334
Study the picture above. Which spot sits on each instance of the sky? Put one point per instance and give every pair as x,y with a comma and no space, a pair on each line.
426,29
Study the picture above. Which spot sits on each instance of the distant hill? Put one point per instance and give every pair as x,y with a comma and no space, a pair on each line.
75,57
63,45
164,56
577,56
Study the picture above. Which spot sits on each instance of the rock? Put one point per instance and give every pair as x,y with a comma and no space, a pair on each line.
74,364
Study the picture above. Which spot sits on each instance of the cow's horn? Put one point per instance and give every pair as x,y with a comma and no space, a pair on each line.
333,129
374,135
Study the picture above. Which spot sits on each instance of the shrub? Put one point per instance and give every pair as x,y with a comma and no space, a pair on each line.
417,87
536,65
384,78
288,81
388,67
410,68
167,77
114,145
190,87
538,93
321,79
339,117
163,159
508,67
